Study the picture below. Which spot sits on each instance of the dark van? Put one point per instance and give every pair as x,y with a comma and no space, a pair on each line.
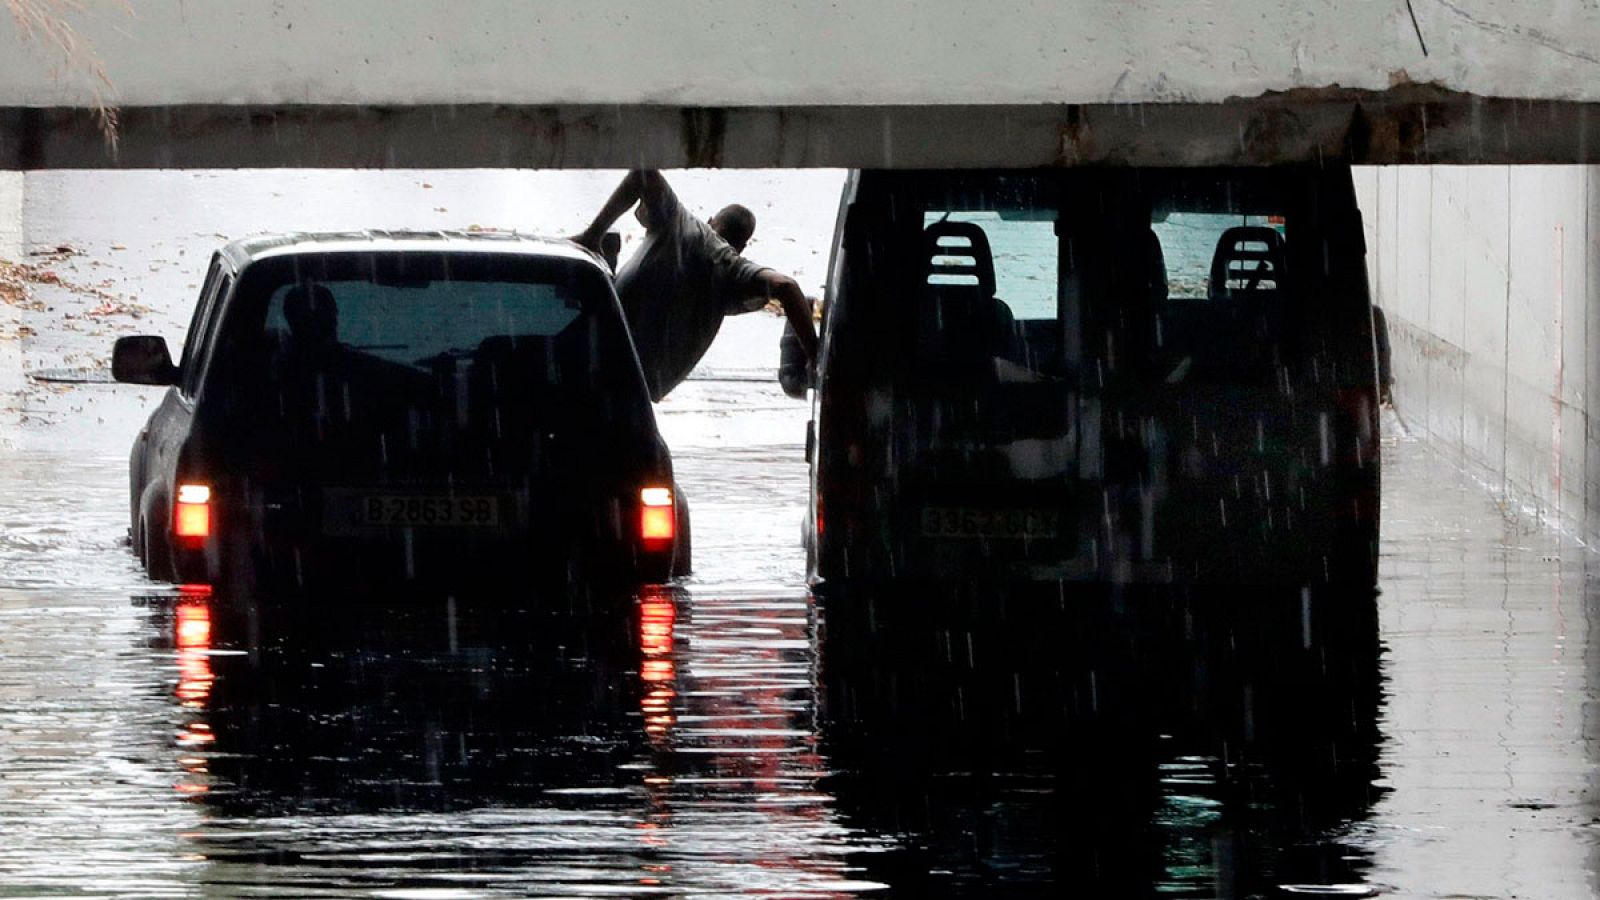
382,408
1114,376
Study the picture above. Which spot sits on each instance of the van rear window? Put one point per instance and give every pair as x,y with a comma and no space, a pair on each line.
1189,243
1024,252
1152,276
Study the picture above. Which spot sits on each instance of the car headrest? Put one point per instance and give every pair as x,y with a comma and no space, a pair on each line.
523,352
311,312
1249,260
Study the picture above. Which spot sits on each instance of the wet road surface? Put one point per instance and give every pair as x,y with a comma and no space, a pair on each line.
723,739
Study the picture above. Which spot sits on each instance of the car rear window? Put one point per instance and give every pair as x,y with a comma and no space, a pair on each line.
411,364
416,323
434,313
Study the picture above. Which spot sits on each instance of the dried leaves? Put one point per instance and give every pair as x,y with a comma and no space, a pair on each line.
17,281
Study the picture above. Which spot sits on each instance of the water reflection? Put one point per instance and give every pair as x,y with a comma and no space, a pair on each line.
968,744
657,670
1123,745
466,747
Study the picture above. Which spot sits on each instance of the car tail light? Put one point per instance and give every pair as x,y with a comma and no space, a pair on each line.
657,521
191,515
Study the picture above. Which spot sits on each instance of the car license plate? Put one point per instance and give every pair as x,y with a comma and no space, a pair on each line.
971,522
360,511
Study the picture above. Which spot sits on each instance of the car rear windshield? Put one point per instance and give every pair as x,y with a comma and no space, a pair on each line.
421,323
430,312
421,342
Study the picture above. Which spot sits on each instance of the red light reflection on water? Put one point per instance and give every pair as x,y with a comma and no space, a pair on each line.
657,616
193,637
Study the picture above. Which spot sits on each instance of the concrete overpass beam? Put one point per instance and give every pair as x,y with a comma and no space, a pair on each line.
1410,124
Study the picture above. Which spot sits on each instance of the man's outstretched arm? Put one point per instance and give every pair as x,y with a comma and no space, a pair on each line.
647,185
796,308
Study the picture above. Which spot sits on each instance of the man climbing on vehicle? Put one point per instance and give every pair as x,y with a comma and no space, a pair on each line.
686,276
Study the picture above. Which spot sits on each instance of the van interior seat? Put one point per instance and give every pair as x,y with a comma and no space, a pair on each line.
1248,264
961,326
1241,337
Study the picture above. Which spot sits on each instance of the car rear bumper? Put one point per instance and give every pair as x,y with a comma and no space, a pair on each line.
302,540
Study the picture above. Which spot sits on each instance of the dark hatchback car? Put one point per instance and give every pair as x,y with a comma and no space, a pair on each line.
398,408
1113,376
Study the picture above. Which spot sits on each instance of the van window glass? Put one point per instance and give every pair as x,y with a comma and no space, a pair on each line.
1189,243
1024,252
1127,278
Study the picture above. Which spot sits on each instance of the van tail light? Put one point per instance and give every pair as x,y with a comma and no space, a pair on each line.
657,519
191,514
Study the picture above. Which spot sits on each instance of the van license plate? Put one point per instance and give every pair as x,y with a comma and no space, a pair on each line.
970,522
356,511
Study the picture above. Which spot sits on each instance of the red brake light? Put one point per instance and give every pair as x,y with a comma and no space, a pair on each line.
656,519
191,517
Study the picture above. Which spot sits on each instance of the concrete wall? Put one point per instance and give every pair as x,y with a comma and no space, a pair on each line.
11,248
11,215
1490,278
738,53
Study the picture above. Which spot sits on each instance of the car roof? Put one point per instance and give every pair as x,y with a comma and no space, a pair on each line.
251,249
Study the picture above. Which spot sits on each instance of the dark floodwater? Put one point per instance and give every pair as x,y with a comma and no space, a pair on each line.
740,737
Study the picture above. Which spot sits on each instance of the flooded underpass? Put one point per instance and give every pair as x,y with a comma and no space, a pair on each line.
735,735
720,739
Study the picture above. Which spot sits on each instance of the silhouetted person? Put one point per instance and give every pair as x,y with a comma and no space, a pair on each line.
1380,340
311,374
313,317
686,276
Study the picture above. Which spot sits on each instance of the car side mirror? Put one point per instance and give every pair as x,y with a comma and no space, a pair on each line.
794,373
143,359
